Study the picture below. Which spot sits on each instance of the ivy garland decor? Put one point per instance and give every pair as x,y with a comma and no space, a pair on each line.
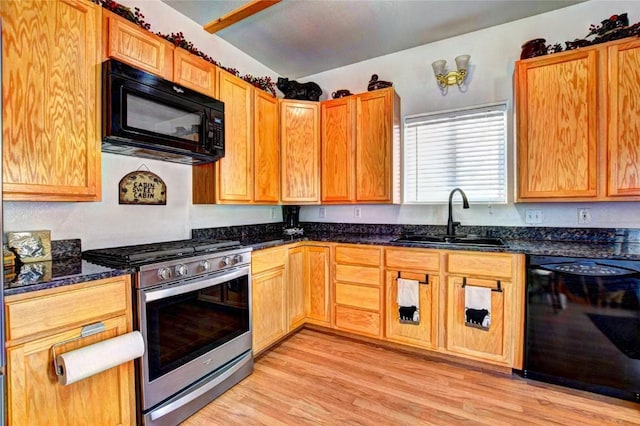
613,28
177,39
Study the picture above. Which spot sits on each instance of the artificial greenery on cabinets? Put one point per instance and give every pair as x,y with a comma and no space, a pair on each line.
135,16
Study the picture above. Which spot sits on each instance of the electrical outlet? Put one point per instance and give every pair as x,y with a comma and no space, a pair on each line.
533,216
322,212
357,212
272,212
584,216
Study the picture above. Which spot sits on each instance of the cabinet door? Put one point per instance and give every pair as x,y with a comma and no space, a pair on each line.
494,344
51,108
338,150
374,146
317,284
266,149
300,152
424,333
624,119
34,396
234,172
194,72
557,115
296,288
269,302
129,43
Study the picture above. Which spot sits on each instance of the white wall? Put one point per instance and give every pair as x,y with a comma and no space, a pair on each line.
493,53
108,223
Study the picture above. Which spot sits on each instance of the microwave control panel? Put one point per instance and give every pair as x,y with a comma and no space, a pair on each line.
216,132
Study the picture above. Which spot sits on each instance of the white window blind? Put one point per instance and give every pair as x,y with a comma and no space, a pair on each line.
462,148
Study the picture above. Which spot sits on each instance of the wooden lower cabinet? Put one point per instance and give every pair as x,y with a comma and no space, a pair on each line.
422,266
296,288
269,297
353,288
357,287
493,344
422,334
503,274
317,284
269,308
34,396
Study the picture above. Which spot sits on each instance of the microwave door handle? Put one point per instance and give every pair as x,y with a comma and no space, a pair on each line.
151,296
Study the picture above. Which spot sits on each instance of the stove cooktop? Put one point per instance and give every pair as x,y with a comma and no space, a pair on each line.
141,254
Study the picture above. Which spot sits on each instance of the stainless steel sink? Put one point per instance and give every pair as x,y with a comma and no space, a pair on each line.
447,239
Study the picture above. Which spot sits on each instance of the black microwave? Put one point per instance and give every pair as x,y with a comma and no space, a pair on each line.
144,115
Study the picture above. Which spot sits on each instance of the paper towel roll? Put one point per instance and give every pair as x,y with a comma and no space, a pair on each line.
93,359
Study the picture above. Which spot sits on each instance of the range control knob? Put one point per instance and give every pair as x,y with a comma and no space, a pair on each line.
205,265
237,259
164,273
181,270
225,261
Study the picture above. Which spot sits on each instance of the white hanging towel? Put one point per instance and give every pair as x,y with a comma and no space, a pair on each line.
408,301
477,303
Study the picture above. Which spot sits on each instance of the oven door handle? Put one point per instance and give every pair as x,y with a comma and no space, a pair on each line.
150,296
184,400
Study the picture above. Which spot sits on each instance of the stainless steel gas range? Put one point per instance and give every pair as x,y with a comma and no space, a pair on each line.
192,304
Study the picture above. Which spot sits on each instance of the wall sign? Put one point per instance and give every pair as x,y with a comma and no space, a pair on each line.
142,187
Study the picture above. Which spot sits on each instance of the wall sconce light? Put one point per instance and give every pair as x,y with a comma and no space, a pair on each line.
450,78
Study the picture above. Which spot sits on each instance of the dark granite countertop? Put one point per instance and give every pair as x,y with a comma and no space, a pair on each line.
56,273
585,249
569,242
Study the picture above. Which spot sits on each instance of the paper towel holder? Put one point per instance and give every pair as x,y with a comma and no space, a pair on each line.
86,331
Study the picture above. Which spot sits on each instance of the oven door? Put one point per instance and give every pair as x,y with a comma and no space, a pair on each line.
191,329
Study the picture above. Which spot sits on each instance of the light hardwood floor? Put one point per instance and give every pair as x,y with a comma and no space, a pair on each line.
315,378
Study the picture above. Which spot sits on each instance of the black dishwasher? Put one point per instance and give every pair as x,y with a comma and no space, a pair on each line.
583,324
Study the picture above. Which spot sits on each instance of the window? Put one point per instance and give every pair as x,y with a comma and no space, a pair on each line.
464,148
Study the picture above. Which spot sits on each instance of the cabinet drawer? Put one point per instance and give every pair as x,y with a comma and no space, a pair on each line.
358,296
358,274
412,259
73,307
358,321
489,264
358,255
264,260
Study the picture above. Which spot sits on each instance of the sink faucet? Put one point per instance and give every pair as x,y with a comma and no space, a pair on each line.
451,225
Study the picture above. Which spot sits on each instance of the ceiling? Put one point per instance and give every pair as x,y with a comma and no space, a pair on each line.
297,38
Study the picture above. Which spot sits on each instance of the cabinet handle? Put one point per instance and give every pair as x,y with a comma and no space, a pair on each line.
497,288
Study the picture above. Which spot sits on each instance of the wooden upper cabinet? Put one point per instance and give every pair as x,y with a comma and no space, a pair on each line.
51,107
194,72
378,134
266,149
338,150
557,109
234,172
300,151
361,148
624,119
129,43
578,121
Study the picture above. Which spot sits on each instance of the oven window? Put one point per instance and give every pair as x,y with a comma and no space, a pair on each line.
183,327
147,115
